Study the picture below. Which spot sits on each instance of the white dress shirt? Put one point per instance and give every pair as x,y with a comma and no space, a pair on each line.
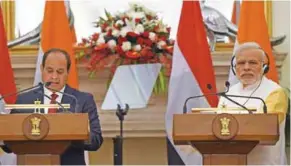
49,93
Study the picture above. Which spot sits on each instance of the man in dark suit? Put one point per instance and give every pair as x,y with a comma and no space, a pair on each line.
55,68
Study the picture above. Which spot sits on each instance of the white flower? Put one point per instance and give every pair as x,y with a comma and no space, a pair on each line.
134,15
124,31
126,46
119,22
115,33
152,36
101,39
161,44
137,47
139,29
111,44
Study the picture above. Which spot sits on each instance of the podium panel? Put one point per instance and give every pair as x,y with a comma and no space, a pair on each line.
39,139
225,138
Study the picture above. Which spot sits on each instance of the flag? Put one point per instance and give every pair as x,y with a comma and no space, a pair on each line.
235,12
7,83
192,71
56,33
253,27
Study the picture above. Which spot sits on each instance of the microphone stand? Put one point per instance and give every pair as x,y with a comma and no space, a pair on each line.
118,140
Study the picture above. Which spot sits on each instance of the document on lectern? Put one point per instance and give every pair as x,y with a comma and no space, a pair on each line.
132,85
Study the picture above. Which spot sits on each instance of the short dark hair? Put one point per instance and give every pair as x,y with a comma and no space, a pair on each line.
54,50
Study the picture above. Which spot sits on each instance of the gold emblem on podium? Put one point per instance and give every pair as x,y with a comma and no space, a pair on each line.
35,126
37,104
224,126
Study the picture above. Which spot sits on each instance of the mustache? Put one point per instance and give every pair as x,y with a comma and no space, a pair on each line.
247,73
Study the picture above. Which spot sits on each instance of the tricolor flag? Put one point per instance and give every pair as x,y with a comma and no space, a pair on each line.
192,71
253,27
56,33
7,85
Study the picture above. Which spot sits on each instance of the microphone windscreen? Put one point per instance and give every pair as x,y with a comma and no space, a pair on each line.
227,84
47,84
209,86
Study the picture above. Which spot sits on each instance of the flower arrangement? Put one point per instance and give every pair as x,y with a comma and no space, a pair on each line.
135,36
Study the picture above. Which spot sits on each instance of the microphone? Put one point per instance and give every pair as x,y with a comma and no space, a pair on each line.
193,97
63,108
250,97
227,84
24,90
66,94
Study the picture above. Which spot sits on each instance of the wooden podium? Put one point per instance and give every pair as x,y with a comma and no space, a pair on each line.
39,139
225,139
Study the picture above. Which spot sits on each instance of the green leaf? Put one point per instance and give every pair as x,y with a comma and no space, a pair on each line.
108,15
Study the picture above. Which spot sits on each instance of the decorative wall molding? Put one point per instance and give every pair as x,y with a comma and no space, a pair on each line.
148,122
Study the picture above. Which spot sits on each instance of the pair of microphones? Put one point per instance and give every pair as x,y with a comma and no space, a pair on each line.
227,96
46,84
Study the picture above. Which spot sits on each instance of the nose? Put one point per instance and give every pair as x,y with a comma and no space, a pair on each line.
54,75
246,66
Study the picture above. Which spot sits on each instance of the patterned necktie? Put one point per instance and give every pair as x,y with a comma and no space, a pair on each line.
53,101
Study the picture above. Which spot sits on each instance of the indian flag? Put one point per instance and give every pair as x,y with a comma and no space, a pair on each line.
56,33
192,71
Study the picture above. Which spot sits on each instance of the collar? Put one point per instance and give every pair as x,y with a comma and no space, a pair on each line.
49,92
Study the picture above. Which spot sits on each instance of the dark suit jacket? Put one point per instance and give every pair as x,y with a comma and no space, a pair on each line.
74,155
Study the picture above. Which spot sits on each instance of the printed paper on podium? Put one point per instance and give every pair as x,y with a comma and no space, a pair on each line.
132,85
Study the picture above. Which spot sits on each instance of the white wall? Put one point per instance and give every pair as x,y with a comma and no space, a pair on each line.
29,13
281,26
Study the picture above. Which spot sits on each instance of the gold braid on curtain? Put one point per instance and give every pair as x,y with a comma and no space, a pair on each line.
8,11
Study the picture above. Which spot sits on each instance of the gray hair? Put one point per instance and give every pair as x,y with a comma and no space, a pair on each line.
249,45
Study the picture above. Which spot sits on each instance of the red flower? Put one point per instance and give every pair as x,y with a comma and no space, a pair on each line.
149,17
150,54
109,33
168,29
148,42
137,20
146,52
145,34
123,19
121,40
104,26
119,50
132,55
132,34
156,28
164,38
84,41
117,26
100,47
140,41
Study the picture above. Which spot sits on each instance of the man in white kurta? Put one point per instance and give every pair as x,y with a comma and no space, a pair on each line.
249,66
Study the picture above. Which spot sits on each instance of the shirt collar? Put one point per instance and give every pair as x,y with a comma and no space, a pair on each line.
49,92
